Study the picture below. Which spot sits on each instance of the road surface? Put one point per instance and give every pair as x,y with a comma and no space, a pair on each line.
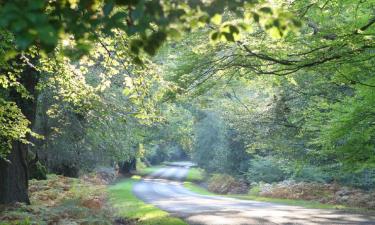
164,189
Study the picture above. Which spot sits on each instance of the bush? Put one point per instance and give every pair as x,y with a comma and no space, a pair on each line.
155,155
66,168
323,193
310,174
226,184
265,169
37,171
255,190
364,179
290,189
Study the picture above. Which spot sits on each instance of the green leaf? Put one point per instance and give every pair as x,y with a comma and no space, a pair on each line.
216,19
215,36
256,17
266,10
127,2
228,36
233,29
24,41
47,35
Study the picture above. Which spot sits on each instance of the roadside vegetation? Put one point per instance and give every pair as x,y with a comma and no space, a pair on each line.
95,198
195,175
63,200
198,181
273,98
310,195
250,196
145,171
129,206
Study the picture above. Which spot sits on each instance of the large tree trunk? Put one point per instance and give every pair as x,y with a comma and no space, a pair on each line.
14,171
14,176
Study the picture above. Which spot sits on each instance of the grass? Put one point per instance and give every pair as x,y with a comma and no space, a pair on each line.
147,170
304,203
195,175
307,204
128,205
197,189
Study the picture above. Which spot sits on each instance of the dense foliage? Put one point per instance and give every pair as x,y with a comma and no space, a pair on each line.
261,90
299,108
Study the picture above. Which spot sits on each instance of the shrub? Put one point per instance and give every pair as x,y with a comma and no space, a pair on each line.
364,179
255,190
310,173
225,184
297,190
265,169
37,171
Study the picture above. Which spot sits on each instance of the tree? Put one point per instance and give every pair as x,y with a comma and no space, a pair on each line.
304,99
42,27
14,170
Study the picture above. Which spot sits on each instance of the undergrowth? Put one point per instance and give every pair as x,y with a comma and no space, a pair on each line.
61,200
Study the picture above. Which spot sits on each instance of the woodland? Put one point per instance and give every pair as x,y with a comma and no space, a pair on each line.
263,91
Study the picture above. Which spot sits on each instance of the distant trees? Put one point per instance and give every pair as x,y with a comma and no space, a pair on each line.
211,142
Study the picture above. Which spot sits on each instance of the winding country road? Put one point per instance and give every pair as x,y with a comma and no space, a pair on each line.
164,189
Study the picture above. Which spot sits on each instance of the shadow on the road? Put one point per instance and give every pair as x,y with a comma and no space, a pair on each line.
252,218
171,196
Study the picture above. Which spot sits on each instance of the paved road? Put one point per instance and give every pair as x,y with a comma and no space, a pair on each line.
165,190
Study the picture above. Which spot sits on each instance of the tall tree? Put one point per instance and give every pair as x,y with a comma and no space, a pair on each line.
46,26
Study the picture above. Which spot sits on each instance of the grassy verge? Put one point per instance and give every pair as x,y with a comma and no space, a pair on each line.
147,170
308,204
197,189
128,205
304,203
196,175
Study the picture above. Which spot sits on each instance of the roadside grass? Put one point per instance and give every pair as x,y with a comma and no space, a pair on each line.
303,203
307,204
197,175
197,189
127,205
145,171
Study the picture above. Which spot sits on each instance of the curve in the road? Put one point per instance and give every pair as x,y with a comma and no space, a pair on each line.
164,190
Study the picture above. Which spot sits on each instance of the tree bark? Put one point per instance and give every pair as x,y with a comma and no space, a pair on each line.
14,176
14,170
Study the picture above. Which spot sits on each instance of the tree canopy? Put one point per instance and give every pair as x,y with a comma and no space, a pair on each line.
238,86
